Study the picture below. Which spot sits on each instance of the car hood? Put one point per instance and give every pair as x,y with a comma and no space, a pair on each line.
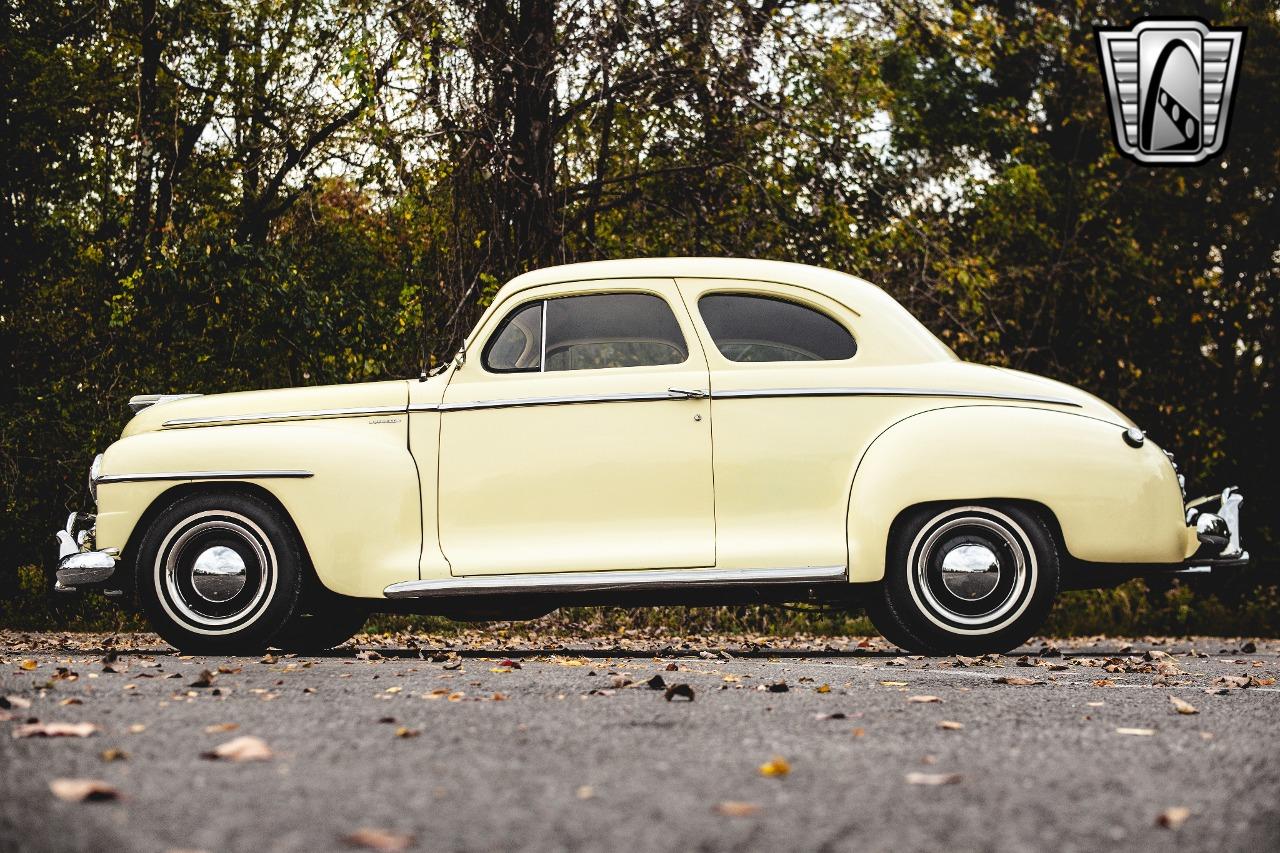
393,394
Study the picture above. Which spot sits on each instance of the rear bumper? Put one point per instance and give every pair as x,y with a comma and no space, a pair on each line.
79,564
1217,532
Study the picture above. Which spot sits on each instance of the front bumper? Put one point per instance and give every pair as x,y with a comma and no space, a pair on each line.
79,564
1218,532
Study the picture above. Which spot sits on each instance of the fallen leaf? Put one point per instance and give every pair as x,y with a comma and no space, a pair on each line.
822,688
923,700
1104,682
243,748
916,778
137,728
55,730
671,667
509,663
777,687
219,728
1136,732
775,767
406,732
28,665
269,659
1016,680
1172,818
204,679
83,790
736,808
113,754
14,702
1182,706
71,700
656,683
837,715
680,690
453,664
950,725
858,732
379,839
893,684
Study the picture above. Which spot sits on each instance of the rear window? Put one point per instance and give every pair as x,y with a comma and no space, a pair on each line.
747,327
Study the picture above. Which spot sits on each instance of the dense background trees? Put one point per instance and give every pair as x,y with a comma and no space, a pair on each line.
221,194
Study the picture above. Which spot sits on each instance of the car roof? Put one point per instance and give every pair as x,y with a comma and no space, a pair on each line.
904,337
854,292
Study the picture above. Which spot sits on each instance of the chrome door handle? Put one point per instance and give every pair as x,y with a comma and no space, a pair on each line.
688,393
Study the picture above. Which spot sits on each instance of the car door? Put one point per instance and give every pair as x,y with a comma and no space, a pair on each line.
786,440
563,446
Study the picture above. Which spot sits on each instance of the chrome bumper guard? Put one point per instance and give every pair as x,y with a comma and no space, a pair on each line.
1218,532
78,563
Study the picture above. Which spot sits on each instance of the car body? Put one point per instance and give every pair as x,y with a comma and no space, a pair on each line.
682,430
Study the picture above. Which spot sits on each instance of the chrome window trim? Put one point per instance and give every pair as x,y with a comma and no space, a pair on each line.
272,417
612,581
264,474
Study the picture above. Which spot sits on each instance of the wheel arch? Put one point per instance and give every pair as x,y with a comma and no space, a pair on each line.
166,498
1105,501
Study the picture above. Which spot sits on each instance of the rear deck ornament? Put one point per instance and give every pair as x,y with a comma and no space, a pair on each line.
1169,85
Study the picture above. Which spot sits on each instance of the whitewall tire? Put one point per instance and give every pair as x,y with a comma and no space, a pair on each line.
966,579
219,572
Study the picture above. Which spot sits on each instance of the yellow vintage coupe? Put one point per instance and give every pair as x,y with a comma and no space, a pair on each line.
665,431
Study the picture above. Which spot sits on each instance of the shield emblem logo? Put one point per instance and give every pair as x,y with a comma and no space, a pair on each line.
1170,84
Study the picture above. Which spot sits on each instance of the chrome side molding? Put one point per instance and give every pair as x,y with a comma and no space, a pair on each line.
274,417
612,581
750,393
637,397
146,477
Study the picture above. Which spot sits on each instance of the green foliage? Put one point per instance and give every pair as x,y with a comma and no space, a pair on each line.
210,196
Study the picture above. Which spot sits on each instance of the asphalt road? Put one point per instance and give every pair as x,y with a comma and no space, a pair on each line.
573,758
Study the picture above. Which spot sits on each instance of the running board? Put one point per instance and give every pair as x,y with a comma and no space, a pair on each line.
612,581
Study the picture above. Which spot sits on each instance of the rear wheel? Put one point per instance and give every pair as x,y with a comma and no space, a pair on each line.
219,573
966,579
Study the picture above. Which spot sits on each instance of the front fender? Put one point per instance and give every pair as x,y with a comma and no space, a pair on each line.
359,515
1114,503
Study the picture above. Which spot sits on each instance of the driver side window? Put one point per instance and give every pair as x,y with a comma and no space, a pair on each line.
587,332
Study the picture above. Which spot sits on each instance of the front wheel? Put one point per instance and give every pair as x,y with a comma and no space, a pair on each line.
966,579
219,573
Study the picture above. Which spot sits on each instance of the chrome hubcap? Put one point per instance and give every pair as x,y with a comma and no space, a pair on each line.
218,574
970,571
215,572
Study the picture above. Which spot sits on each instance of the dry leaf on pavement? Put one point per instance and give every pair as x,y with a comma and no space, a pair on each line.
1016,680
776,767
83,790
735,808
916,778
950,725
219,728
1174,817
379,839
1123,730
55,730
1182,706
681,690
920,700
243,748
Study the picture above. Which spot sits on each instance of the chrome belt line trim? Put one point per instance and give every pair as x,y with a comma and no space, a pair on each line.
610,581
270,417
748,393
205,475
520,402
740,394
